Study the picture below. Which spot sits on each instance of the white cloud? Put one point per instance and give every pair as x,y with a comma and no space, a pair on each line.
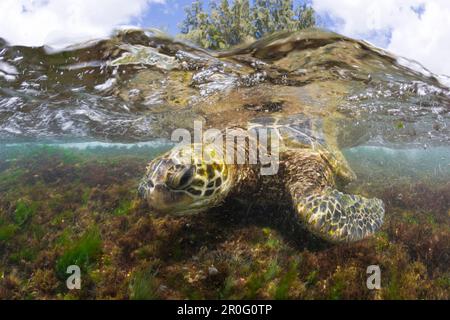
63,22
416,29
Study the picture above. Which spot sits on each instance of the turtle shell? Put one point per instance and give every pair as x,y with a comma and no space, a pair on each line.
294,131
305,132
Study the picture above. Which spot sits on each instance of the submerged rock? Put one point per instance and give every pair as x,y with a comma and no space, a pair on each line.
212,271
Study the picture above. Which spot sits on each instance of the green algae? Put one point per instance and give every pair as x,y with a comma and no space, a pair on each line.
227,288
10,177
82,252
144,285
336,290
23,212
25,254
124,208
272,241
286,282
258,280
312,278
392,290
8,231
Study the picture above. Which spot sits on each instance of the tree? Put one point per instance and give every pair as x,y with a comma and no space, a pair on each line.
228,24
306,17
241,26
197,25
272,16
220,18
191,21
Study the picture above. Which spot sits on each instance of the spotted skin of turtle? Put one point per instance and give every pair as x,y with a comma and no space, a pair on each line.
184,181
335,215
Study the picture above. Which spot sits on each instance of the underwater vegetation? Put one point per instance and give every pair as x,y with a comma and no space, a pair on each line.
60,207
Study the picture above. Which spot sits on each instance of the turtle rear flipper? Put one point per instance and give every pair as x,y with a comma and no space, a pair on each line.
340,217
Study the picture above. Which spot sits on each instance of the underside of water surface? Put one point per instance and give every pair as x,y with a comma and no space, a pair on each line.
79,126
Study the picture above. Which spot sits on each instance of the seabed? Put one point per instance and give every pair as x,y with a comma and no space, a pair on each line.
65,206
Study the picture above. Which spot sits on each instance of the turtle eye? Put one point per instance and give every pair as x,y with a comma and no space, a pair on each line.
187,176
182,177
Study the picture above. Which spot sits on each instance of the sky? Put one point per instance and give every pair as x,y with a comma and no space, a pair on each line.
416,29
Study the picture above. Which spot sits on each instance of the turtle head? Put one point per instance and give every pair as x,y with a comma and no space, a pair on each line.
180,182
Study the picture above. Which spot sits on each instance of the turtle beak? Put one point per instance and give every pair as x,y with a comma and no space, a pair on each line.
161,199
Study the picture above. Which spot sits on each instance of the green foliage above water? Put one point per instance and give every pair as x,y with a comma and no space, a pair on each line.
229,23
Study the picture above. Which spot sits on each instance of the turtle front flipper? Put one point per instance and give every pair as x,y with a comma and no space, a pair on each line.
340,217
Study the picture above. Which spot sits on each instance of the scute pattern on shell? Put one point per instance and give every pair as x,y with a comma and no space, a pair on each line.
294,131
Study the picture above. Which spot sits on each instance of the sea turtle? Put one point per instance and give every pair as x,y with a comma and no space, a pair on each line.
186,180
